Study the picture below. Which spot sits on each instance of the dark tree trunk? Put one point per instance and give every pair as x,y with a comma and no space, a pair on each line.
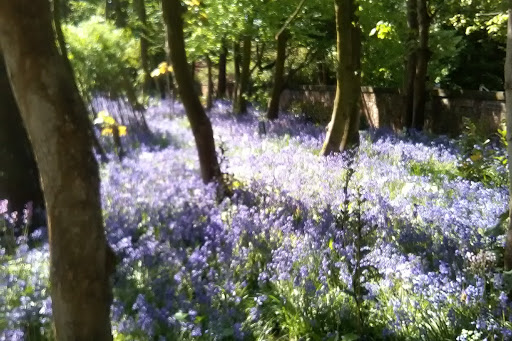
209,94
508,97
236,66
221,82
243,89
201,126
116,10
19,176
56,121
140,10
343,130
277,89
410,65
423,56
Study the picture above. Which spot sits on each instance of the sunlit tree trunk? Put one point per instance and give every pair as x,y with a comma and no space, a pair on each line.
423,56
508,97
410,66
200,123
221,81
277,89
343,132
56,121
19,177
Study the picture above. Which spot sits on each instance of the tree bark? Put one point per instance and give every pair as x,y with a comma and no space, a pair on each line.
56,122
140,10
343,132
19,176
508,98
245,75
411,61
277,89
209,94
423,56
236,66
221,81
200,123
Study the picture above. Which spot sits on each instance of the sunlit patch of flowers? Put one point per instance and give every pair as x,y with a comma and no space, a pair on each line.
305,247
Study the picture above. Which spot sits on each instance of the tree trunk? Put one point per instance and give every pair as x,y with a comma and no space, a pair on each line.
200,123
508,98
277,89
343,130
19,176
423,56
410,67
221,82
236,66
243,89
140,10
209,94
56,121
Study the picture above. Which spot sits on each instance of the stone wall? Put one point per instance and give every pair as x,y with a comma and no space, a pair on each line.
383,107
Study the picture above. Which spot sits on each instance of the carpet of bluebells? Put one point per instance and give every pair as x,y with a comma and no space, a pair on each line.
306,248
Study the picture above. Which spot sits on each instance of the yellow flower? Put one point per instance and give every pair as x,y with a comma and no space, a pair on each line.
122,130
107,131
155,73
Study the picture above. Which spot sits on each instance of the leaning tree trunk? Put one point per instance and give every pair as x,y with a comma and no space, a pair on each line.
209,93
343,130
221,81
200,123
236,66
508,97
56,121
423,56
277,89
245,76
19,176
140,10
410,65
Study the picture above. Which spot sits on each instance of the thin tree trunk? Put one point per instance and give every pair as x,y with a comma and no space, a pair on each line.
236,66
343,130
140,10
411,60
221,81
277,89
209,95
508,97
245,75
56,121
423,56
201,126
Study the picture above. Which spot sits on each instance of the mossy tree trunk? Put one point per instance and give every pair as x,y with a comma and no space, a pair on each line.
277,89
236,65
209,94
56,121
343,132
200,123
508,97
245,76
410,64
